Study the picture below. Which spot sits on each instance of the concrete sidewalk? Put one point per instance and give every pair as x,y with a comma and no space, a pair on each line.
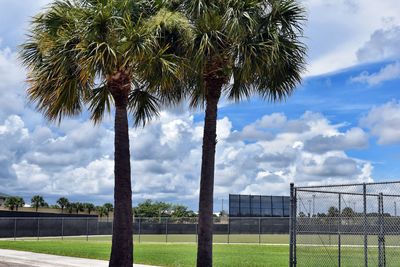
13,258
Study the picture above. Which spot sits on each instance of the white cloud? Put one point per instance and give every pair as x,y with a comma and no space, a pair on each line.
166,157
384,122
383,44
387,73
338,32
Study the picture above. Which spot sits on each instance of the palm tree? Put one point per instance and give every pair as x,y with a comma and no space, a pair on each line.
19,203
241,48
102,211
14,202
71,206
63,203
38,202
105,54
108,207
89,207
79,207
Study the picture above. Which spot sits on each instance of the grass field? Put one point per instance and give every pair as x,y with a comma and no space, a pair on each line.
181,255
181,250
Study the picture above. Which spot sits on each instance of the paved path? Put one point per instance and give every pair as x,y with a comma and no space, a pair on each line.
13,258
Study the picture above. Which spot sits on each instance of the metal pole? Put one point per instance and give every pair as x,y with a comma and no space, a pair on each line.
38,228
291,232
197,231
365,225
62,228
139,230
259,230
87,229
339,236
229,228
295,228
15,228
313,205
166,230
381,237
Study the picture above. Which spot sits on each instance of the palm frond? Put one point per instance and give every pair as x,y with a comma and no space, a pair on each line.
143,106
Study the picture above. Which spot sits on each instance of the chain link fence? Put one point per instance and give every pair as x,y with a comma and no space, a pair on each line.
345,225
264,230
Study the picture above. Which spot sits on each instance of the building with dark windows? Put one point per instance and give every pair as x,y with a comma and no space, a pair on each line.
258,206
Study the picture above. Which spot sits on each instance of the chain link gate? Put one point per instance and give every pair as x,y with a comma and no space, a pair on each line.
345,225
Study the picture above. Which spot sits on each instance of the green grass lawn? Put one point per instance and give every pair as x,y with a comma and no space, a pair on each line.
161,254
181,250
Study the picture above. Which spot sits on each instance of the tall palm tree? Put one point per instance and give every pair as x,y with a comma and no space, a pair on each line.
63,203
38,202
105,54
241,48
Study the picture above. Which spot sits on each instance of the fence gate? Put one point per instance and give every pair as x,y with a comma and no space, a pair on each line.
345,225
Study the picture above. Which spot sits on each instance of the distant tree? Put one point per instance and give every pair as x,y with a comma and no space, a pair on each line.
89,207
181,211
55,206
150,209
302,214
37,202
102,211
333,212
12,203
20,203
70,207
348,212
63,203
109,207
79,207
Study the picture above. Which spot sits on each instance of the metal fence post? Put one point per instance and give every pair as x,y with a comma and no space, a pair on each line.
291,230
38,228
365,225
166,230
87,229
339,235
139,228
15,228
229,228
259,230
62,228
197,231
381,237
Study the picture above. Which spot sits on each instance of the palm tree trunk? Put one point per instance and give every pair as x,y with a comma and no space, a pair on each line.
205,227
122,241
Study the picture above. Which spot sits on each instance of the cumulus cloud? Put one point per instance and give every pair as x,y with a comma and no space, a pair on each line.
384,122
78,160
383,44
352,28
387,73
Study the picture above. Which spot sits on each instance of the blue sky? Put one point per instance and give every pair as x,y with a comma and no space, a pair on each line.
341,125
